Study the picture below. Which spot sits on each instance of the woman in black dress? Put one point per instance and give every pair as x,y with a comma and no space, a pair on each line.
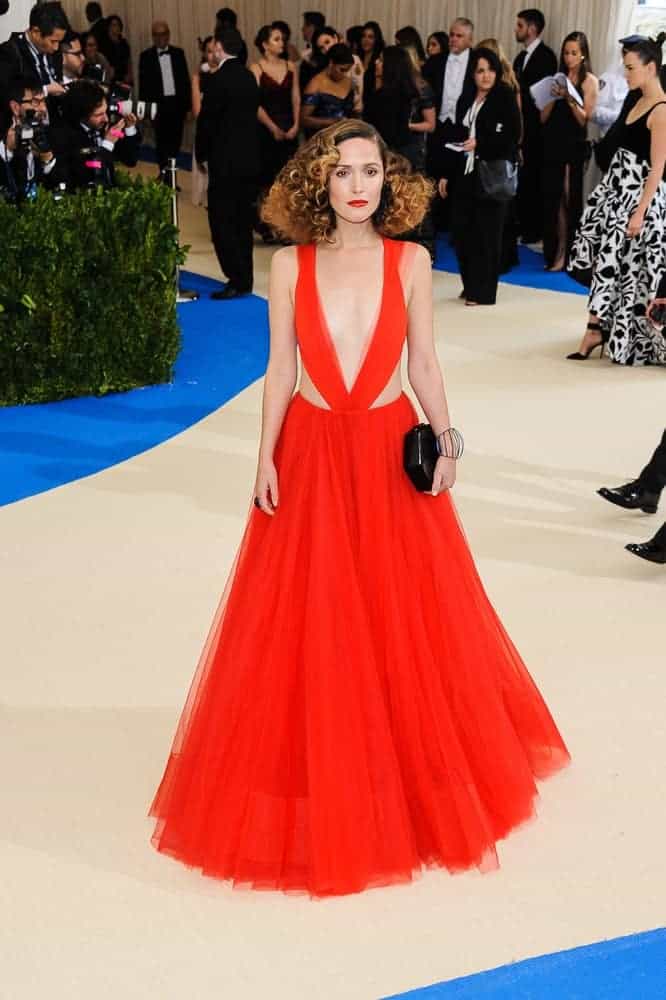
566,150
372,45
423,115
389,107
477,222
117,51
278,113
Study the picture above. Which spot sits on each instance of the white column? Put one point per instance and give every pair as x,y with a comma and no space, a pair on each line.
16,19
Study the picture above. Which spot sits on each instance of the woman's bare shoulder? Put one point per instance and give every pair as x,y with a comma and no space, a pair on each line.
284,263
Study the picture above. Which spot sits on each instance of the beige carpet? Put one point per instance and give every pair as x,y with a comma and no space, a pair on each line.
107,590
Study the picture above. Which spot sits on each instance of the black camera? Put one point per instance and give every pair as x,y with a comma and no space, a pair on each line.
31,132
94,71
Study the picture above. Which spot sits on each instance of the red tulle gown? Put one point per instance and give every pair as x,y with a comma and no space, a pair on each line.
359,711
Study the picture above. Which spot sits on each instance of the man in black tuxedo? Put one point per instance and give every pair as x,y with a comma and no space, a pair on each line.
227,144
534,63
34,52
87,143
452,81
164,79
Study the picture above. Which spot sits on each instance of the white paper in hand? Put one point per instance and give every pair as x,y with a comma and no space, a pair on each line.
542,92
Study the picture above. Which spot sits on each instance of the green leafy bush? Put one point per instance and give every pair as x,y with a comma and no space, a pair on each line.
87,293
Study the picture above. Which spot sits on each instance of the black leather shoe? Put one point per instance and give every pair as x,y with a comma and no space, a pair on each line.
631,496
654,550
228,292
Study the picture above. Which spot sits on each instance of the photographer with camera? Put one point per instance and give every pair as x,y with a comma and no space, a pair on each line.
27,159
95,132
35,51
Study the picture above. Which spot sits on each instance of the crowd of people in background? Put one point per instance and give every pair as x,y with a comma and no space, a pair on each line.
508,145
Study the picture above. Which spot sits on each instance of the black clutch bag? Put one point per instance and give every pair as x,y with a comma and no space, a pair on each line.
420,456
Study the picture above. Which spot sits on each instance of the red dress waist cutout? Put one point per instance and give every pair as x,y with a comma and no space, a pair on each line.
382,351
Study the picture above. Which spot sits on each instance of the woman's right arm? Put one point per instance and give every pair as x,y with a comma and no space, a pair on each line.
310,120
196,96
280,380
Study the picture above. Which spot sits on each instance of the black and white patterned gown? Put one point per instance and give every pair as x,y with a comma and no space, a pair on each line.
625,272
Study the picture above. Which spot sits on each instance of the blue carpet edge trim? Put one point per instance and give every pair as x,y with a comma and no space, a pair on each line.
633,966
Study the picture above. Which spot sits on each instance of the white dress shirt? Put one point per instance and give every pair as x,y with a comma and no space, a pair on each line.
166,69
530,49
613,88
454,79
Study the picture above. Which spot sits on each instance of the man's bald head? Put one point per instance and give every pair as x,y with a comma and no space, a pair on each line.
161,34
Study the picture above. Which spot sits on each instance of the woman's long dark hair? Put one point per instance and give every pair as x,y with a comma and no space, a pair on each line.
408,37
320,59
379,38
443,39
398,73
586,66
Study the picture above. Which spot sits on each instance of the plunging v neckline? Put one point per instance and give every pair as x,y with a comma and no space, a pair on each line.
372,332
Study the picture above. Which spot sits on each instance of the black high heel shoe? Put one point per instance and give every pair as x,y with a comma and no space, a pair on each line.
596,328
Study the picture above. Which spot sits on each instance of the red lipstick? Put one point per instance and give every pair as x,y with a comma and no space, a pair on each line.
359,203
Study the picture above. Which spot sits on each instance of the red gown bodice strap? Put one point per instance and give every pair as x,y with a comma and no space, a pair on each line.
385,342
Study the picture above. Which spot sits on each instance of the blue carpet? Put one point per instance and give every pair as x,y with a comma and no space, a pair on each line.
630,968
225,349
529,273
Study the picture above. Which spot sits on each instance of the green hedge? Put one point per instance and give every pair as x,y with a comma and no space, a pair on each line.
87,293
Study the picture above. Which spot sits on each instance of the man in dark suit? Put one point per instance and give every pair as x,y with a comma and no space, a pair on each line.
534,63
227,18
87,143
227,143
452,81
164,79
35,52
97,24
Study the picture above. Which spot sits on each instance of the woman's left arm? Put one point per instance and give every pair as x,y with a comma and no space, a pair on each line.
590,97
425,376
657,125
295,103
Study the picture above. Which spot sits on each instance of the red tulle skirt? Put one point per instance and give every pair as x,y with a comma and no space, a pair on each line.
358,712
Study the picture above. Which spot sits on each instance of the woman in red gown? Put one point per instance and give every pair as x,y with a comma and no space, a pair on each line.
358,712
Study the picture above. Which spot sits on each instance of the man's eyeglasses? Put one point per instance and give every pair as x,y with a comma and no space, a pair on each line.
34,101
71,52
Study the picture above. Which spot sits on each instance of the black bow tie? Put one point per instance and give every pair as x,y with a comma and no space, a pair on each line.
163,52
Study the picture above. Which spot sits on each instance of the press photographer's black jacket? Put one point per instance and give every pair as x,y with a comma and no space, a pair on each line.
70,141
17,60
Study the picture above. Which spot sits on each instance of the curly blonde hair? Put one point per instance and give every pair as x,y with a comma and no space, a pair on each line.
297,204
